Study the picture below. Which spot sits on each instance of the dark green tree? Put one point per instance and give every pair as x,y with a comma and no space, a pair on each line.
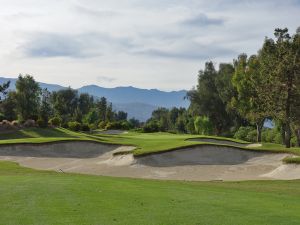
45,109
28,97
205,99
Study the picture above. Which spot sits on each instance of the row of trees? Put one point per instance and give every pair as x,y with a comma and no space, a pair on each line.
177,120
230,100
253,89
64,107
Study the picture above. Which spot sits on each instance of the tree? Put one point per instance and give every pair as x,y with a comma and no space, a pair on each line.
109,114
9,105
203,125
28,97
4,90
249,84
227,91
161,115
281,68
205,99
92,117
121,115
85,103
102,109
45,109
65,103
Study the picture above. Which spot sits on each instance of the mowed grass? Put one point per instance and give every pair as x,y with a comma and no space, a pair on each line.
148,143
37,197
145,143
43,135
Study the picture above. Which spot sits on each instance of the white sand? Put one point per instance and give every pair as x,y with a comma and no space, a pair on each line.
199,163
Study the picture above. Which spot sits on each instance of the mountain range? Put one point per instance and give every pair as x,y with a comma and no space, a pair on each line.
137,102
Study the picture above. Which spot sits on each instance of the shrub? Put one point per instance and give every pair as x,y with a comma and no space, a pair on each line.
150,127
102,125
243,132
74,126
42,123
55,121
252,136
85,127
93,126
118,125
203,125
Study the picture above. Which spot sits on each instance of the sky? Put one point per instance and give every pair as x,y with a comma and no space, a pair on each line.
142,43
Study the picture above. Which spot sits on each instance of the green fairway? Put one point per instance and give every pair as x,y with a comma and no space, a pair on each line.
145,142
157,142
34,197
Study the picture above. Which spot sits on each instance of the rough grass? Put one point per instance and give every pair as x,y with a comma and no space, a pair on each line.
292,160
30,197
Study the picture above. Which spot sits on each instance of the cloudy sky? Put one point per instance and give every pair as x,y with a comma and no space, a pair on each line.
142,43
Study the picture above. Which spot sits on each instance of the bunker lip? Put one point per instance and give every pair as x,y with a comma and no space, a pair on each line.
224,142
58,149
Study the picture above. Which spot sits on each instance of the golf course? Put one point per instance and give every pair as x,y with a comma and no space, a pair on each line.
47,176
150,112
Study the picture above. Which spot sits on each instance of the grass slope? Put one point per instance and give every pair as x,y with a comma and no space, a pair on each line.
34,197
146,143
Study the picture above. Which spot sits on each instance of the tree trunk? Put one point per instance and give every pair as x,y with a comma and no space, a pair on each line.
288,136
297,133
283,133
259,126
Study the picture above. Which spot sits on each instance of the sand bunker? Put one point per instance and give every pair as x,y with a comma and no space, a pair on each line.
200,163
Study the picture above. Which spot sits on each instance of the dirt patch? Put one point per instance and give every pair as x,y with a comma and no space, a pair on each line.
201,163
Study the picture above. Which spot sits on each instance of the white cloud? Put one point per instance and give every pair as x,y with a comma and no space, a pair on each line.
144,43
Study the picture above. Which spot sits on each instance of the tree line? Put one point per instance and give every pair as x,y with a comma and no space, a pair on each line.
244,93
66,107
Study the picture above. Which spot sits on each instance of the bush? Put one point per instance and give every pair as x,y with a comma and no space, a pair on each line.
55,121
242,133
118,125
252,136
42,123
74,126
85,127
102,125
151,127
203,125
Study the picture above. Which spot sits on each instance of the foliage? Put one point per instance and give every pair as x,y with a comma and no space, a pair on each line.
203,125
245,133
74,126
55,121
27,97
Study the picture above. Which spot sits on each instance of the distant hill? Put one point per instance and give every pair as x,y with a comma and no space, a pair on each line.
137,102
50,87
136,95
